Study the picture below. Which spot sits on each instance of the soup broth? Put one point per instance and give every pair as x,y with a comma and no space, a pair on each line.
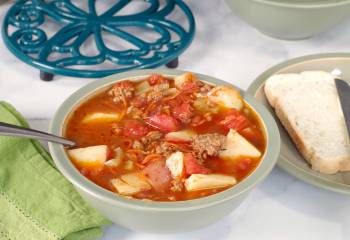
166,139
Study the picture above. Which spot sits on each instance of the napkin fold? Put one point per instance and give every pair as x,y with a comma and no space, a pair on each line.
36,201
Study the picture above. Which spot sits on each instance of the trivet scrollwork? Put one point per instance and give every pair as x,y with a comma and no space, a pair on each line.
25,36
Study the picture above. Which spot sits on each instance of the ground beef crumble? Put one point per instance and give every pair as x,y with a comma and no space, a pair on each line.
134,112
208,144
177,185
151,136
165,148
122,91
151,143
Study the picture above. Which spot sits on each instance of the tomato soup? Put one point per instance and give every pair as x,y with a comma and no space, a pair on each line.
166,139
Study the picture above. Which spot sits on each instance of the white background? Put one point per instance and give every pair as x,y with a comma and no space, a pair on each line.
281,207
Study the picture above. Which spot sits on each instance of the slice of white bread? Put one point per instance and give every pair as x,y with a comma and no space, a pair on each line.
307,105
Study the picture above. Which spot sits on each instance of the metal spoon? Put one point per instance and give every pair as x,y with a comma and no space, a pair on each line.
13,130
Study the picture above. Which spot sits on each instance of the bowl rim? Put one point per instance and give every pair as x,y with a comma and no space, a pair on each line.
82,183
303,5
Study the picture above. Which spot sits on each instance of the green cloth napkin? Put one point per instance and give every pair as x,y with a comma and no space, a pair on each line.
36,201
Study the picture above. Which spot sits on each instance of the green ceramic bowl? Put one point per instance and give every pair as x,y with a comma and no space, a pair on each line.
160,217
290,160
288,19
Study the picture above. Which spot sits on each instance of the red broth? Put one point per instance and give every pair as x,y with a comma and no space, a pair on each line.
145,119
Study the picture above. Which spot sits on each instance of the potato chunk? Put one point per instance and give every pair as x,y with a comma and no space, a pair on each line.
142,87
227,97
181,79
237,146
130,184
129,165
208,181
180,136
136,180
99,117
93,156
124,188
203,104
117,160
175,163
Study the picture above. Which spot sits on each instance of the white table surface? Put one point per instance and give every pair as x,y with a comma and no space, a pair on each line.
281,207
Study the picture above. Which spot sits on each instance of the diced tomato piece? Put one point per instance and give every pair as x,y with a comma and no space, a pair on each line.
163,122
183,112
139,102
154,109
190,83
156,79
235,120
158,175
135,128
185,98
198,120
110,153
179,99
190,86
192,166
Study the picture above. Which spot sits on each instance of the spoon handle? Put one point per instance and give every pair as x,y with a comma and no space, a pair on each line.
13,130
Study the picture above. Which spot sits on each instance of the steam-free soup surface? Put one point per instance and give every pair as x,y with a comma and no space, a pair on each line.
166,139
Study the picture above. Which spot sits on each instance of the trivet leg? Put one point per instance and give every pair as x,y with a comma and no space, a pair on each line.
173,63
46,76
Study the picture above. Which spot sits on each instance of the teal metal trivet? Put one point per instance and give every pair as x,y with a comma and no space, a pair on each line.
27,32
